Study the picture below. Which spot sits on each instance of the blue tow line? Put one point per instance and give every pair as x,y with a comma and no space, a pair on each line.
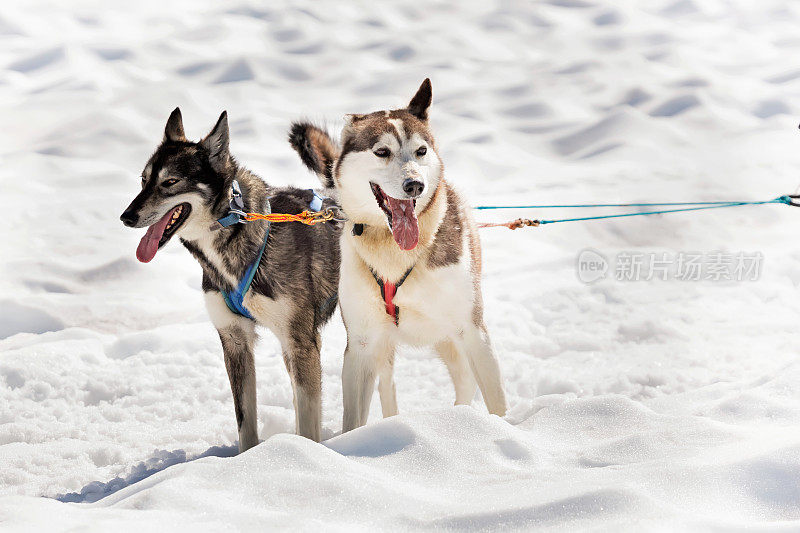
785,199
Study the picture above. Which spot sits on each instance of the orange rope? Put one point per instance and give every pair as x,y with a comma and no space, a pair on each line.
306,217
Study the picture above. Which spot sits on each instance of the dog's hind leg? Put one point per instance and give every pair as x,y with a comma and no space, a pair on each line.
386,388
460,372
301,355
485,368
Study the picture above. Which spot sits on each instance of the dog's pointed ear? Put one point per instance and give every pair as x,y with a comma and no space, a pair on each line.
216,144
422,101
350,122
352,118
174,129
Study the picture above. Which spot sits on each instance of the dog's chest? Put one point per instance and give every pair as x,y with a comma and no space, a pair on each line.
433,303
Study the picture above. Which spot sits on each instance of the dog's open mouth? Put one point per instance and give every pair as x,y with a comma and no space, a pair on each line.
400,216
162,231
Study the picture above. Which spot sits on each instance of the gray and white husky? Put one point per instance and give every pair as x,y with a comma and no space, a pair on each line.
411,258
290,271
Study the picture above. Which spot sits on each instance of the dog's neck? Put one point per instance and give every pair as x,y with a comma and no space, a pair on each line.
225,254
377,248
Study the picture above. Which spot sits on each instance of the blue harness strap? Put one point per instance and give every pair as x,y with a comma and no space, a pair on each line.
235,298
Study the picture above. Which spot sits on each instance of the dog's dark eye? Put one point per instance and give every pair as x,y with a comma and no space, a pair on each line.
144,180
422,150
169,183
382,152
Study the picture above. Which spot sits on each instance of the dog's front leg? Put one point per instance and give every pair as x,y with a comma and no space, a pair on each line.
237,345
363,358
358,382
386,388
238,338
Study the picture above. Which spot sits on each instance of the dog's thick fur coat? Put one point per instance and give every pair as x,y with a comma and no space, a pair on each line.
294,289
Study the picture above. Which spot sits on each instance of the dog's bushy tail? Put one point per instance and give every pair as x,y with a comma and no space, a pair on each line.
316,149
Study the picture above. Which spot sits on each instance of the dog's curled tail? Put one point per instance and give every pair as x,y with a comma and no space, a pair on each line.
316,149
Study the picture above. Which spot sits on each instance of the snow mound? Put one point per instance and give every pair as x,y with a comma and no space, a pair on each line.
605,462
17,318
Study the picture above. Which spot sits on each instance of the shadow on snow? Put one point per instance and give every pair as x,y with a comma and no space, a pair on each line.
160,460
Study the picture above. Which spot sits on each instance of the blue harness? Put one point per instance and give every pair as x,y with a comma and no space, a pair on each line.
235,298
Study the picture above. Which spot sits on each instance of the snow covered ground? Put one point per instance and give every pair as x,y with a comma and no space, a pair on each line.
646,404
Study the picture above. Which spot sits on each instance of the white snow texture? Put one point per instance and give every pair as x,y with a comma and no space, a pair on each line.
633,405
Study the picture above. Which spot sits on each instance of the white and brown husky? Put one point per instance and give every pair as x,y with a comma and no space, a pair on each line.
411,258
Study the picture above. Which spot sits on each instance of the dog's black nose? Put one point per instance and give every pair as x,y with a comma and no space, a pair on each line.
129,218
413,188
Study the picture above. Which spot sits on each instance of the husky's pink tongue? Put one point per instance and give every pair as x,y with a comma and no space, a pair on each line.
148,246
405,229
